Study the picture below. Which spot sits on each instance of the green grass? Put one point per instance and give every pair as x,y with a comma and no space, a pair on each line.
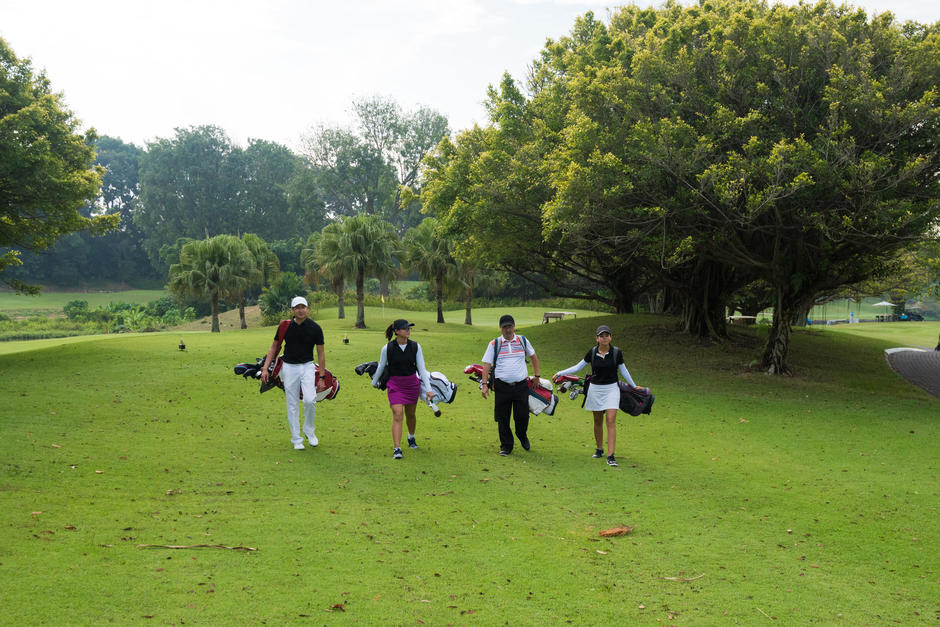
811,498
917,334
840,310
53,302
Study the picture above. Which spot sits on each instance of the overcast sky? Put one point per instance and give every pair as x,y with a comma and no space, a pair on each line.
271,69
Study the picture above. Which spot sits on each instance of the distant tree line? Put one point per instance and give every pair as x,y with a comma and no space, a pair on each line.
198,184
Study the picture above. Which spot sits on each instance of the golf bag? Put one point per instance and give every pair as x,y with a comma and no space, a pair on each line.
444,390
571,385
369,368
476,374
327,384
635,401
541,398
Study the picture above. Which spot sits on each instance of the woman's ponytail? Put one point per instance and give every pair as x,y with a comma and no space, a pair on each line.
389,332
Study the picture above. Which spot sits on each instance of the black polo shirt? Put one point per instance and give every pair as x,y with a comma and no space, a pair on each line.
300,340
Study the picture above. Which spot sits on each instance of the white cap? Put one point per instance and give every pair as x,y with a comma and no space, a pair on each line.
298,300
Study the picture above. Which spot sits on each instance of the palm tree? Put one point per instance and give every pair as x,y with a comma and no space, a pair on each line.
267,268
359,245
322,256
213,268
276,297
466,273
429,254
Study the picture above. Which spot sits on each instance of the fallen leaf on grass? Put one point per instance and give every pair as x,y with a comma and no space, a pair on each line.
35,514
195,546
337,606
622,530
684,578
56,446
602,552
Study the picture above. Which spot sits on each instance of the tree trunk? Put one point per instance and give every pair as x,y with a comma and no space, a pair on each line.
801,315
360,300
215,312
241,312
468,301
440,298
623,291
786,308
703,302
778,342
339,287
656,301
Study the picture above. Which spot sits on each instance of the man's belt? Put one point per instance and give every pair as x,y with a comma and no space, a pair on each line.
512,383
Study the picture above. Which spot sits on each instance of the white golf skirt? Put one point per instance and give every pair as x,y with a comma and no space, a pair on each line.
601,397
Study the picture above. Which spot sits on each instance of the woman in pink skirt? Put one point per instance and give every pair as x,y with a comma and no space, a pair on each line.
405,363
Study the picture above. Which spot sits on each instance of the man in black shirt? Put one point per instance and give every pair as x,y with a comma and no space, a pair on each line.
297,370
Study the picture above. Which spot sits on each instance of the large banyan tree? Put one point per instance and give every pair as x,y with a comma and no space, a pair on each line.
711,147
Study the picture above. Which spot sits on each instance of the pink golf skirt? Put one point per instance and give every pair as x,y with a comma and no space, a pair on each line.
403,390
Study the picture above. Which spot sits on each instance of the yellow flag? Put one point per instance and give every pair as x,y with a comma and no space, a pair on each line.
383,299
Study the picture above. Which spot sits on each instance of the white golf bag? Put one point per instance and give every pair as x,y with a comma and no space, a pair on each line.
444,391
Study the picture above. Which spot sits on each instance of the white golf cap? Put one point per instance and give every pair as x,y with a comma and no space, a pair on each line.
298,300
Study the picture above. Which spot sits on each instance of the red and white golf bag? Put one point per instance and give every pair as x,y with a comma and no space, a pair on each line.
541,398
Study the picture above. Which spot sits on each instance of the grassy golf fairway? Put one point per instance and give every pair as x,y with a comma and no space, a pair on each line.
810,498
53,302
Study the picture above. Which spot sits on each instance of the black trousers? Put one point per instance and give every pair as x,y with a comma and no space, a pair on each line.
511,399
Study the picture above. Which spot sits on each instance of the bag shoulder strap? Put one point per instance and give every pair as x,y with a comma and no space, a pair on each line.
281,332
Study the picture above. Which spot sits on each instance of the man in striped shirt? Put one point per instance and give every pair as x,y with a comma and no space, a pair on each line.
511,394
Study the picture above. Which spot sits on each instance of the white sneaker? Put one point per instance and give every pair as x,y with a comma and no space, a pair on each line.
313,440
299,446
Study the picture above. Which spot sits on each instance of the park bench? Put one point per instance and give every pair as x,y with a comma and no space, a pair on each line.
556,315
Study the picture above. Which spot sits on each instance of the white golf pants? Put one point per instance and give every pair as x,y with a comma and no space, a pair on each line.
297,377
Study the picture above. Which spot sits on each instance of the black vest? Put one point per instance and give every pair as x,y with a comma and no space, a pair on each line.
604,370
402,363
